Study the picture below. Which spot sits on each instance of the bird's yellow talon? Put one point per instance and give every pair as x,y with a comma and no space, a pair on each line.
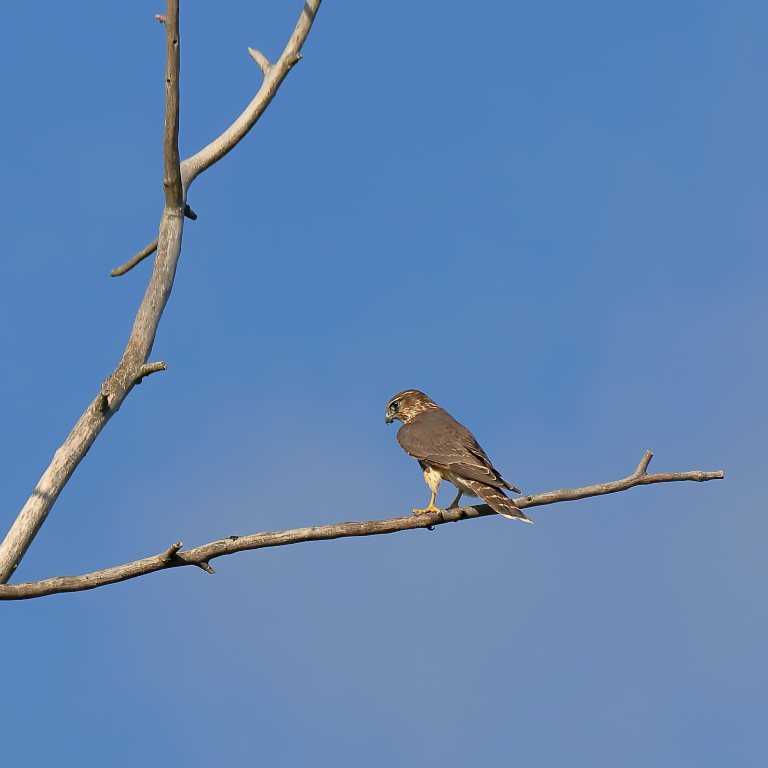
430,508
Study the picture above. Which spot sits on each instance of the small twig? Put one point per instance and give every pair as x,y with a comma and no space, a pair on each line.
137,259
170,553
200,556
261,60
293,60
149,250
644,462
150,368
160,17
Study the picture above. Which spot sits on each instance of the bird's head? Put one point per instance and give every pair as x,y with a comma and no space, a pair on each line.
407,405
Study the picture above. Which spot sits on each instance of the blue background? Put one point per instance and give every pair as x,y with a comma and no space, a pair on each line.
551,218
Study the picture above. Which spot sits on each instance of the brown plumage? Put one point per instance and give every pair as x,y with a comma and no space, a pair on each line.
446,450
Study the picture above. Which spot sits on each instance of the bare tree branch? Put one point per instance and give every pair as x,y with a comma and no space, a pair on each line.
131,368
149,369
261,60
200,556
174,194
148,251
273,78
137,259
274,74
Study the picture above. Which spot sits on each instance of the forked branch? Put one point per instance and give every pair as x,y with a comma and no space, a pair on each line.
133,366
274,74
201,556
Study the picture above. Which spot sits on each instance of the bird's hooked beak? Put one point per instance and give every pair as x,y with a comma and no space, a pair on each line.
392,411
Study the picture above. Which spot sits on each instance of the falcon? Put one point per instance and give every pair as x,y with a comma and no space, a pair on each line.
446,450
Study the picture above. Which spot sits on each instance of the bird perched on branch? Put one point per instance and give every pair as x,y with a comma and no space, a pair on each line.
446,450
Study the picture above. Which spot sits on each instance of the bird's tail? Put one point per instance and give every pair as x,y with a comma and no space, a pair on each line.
498,501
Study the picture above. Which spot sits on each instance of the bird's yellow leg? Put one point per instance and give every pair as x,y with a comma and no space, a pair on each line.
430,508
455,503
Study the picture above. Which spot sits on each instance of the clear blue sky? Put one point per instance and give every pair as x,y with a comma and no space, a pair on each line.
548,216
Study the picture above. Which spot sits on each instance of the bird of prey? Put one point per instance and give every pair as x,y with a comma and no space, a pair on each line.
446,450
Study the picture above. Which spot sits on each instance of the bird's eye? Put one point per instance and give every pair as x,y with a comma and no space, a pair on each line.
393,406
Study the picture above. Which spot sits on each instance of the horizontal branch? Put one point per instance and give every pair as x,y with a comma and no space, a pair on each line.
201,556
149,368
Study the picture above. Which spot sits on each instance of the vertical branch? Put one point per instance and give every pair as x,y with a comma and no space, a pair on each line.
131,368
172,177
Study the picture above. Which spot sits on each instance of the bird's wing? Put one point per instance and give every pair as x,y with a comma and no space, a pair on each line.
437,438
